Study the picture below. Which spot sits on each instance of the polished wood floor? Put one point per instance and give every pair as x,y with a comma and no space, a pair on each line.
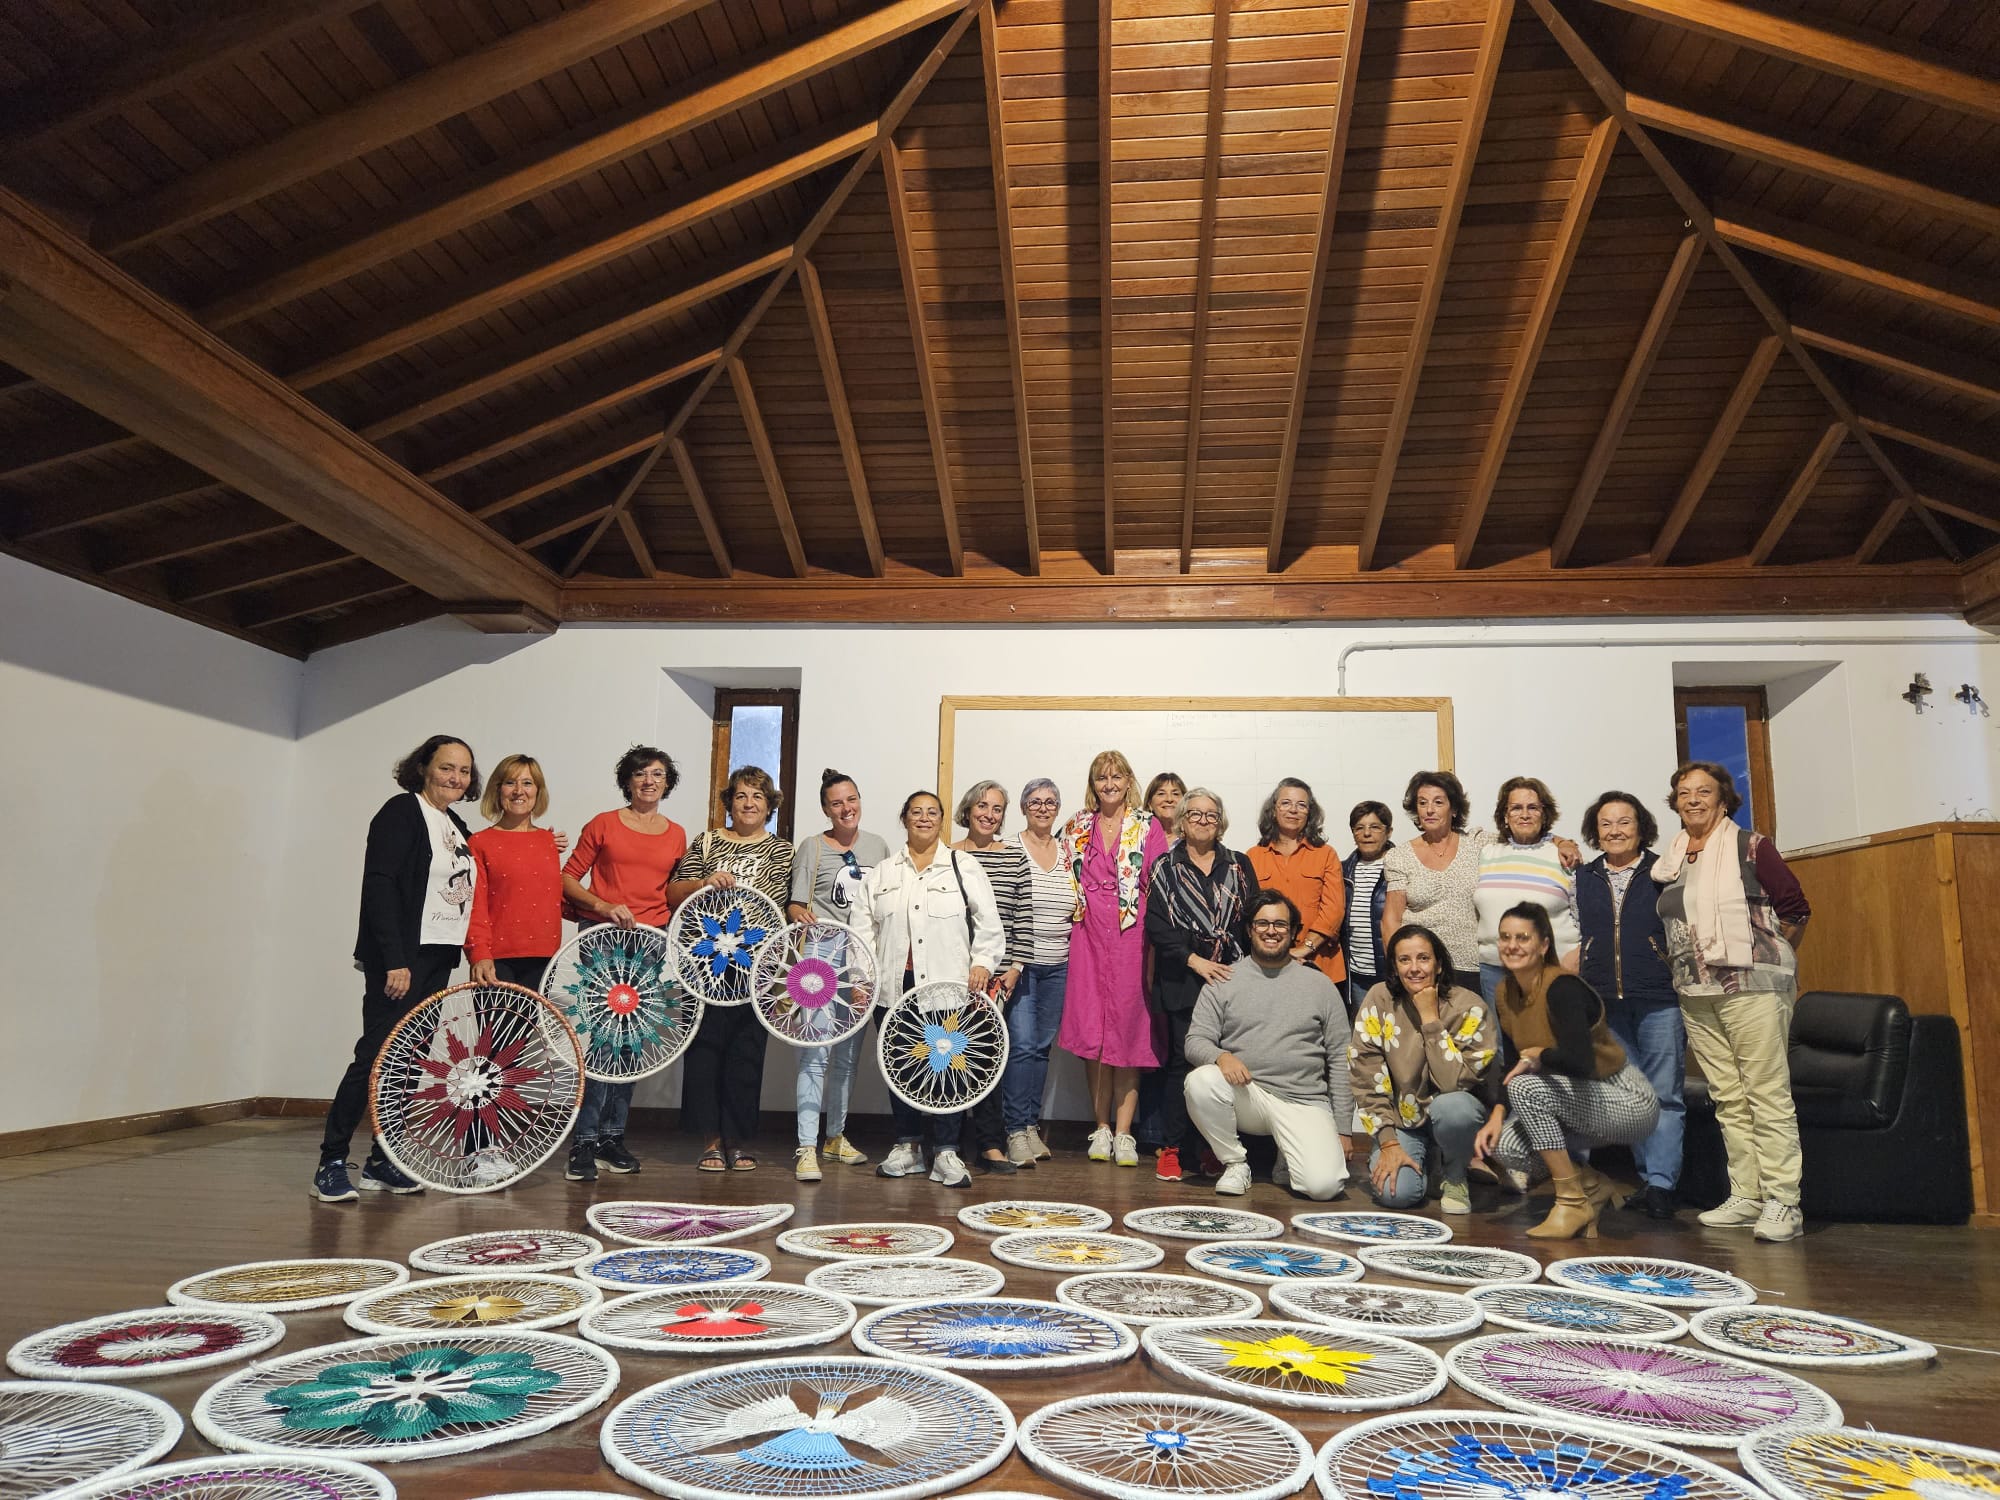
103,1228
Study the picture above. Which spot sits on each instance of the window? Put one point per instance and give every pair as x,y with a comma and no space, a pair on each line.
1731,726
756,727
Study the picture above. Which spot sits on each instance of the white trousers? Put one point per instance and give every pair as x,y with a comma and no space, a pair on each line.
1305,1133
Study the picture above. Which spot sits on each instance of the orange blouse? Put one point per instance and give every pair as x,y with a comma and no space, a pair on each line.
1311,878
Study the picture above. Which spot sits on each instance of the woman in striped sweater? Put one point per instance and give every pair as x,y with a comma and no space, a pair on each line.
981,813
1526,863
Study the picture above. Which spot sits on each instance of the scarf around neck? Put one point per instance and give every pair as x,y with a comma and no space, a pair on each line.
1718,907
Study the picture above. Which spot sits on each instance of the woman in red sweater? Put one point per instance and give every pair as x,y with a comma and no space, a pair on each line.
517,898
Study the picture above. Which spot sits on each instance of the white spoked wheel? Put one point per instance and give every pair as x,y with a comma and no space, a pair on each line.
476,1087
1363,1307
1176,1223
480,1302
1452,1265
722,1318
1304,1365
1023,1215
1152,1445
1049,1250
139,1345
1368,1227
1143,1298
1850,1464
649,1223
286,1285
885,1283
717,936
995,1336
643,1267
242,1476
57,1433
622,993
849,1241
1561,1309
506,1250
942,1048
1264,1263
1808,1340
1664,1283
813,984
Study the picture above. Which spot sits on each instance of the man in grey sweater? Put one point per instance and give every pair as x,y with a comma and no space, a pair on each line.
1267,1049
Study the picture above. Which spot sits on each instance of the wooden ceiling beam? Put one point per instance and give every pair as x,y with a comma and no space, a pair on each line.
1915,430
1583,192
1210,192
1913,359
1798,491
203,583
1841,255
1961,512
767,462
358,624
1884,527
913,298
642,554
563,469
75,436
1742,396
588,148
1003,211
104,500
1485,70
236,524
704,513
555,531
1107,363
297,601
828,355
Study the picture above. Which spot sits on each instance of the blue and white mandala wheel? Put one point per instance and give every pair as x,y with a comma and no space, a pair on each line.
1452,1265
1542,1308
717,935
1368,1227
995,1336
644,1267
1153,1445
942,1048
1265,1262
1664,1283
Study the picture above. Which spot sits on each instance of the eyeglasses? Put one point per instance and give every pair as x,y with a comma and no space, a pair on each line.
1041,804
1200,817
1279,924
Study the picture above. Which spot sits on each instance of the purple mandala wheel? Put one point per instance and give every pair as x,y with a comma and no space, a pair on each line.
640,1223
717,935
813,984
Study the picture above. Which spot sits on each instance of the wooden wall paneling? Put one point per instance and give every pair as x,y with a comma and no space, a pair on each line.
1107,326
828,355
1010,290
1208,193
1797,492
767,463
1946,369
1835,254
1741,397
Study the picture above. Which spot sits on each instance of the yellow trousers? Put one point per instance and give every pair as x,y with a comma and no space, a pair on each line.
1742,1045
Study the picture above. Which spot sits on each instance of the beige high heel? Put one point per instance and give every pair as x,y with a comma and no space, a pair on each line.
1599,1189
1574,1213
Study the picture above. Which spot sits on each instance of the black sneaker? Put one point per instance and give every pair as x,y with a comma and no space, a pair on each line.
582,1162
611,1154
1000,1168
380,1175
331,1183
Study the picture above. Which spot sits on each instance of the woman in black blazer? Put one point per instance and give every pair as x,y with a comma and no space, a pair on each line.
416,903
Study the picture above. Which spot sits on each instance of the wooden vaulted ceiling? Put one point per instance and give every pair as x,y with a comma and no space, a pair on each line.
327,315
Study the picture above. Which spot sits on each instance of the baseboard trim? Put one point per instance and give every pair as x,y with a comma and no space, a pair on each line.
121,1127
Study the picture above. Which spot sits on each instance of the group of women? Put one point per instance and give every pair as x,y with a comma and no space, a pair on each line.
1514,1006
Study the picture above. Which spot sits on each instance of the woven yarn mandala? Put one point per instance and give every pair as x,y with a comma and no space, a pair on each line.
1455,1455
809,1429
519,1299
1537,1309
717,936
1452,1265
1369,1228
506,1250
1811,1340
476,1087
813,983
1139,1445
1020,1215
847,1241
382,1400
1142,1298
942,1048
722,1318
995,1336
244,1477
1176,1223
1631,1388
1297,1364
641,1267
1363,1307
884,1283
56,1433
1057,1250
1846,1464
1665,1283
286,1285
623,995
138,1345
1266,1264
642,1223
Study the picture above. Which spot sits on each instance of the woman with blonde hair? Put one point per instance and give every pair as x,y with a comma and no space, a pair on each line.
517,893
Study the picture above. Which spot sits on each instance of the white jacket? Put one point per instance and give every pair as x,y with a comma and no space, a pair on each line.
916,918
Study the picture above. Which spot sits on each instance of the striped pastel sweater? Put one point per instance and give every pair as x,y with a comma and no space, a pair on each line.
1511,873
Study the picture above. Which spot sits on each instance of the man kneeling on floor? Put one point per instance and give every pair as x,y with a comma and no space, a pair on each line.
1267,1049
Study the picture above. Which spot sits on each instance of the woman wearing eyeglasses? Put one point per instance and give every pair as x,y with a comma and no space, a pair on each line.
1037,1011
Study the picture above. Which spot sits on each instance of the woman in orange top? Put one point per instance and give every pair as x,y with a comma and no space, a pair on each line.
1295,858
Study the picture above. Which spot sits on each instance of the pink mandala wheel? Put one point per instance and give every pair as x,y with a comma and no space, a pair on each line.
813,984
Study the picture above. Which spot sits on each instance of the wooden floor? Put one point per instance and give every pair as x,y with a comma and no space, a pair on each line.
104,1228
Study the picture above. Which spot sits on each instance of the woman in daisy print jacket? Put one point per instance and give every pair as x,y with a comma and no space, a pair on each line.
1418,1060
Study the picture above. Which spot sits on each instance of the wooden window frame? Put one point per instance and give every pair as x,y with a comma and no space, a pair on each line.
1757,718
727,701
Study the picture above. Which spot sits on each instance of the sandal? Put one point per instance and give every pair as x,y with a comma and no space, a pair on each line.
711,1161
742,1161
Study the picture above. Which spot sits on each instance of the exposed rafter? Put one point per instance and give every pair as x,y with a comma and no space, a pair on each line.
1210,192
1834,254
1915,430
73,437
1964,513
828,355
767,463
642,554
1742,397
1885,527
1914,359
102,500
1797,492
704,514
225,528
560,470
996,144
1107,363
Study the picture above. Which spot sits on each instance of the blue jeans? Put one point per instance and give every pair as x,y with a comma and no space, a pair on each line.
1490,977
1454,1120
1031,1031
826,1078
1655,1038
605,1108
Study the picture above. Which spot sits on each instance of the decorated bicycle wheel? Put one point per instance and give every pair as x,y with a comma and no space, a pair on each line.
1372,1228
1142,1298
1022,1215
1152,1445
1176,1223
813,983
884,1283
57,1433
1452,1455
1809,1340
476,1087
847,1241
1452,1265
995,1336
642,1223
1628,1387
286,1285
1363,1307
942,1048
1264,1263
721,1318
1847,1464
1057,1250
383,1400
1540,1308
506,1250
520,1300
1665,1283
642,1268
717,936
243,1476
139,1345
623,995
1297,1364
809,1429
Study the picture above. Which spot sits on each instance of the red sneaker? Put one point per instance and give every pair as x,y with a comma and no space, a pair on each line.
1168,1167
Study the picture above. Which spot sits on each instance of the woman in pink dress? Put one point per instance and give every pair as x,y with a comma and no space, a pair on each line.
1110,847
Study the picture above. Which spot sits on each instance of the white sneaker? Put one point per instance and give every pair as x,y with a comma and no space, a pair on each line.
1042,1151
906,1160
805,1166
1733,1213
1235,1179
1021,1148
1780,1221
1100,1144
948,1171
1125,1151
1455,1198
1281,1173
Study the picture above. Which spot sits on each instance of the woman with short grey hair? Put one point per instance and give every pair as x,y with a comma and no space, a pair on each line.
1036,1014
982,811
